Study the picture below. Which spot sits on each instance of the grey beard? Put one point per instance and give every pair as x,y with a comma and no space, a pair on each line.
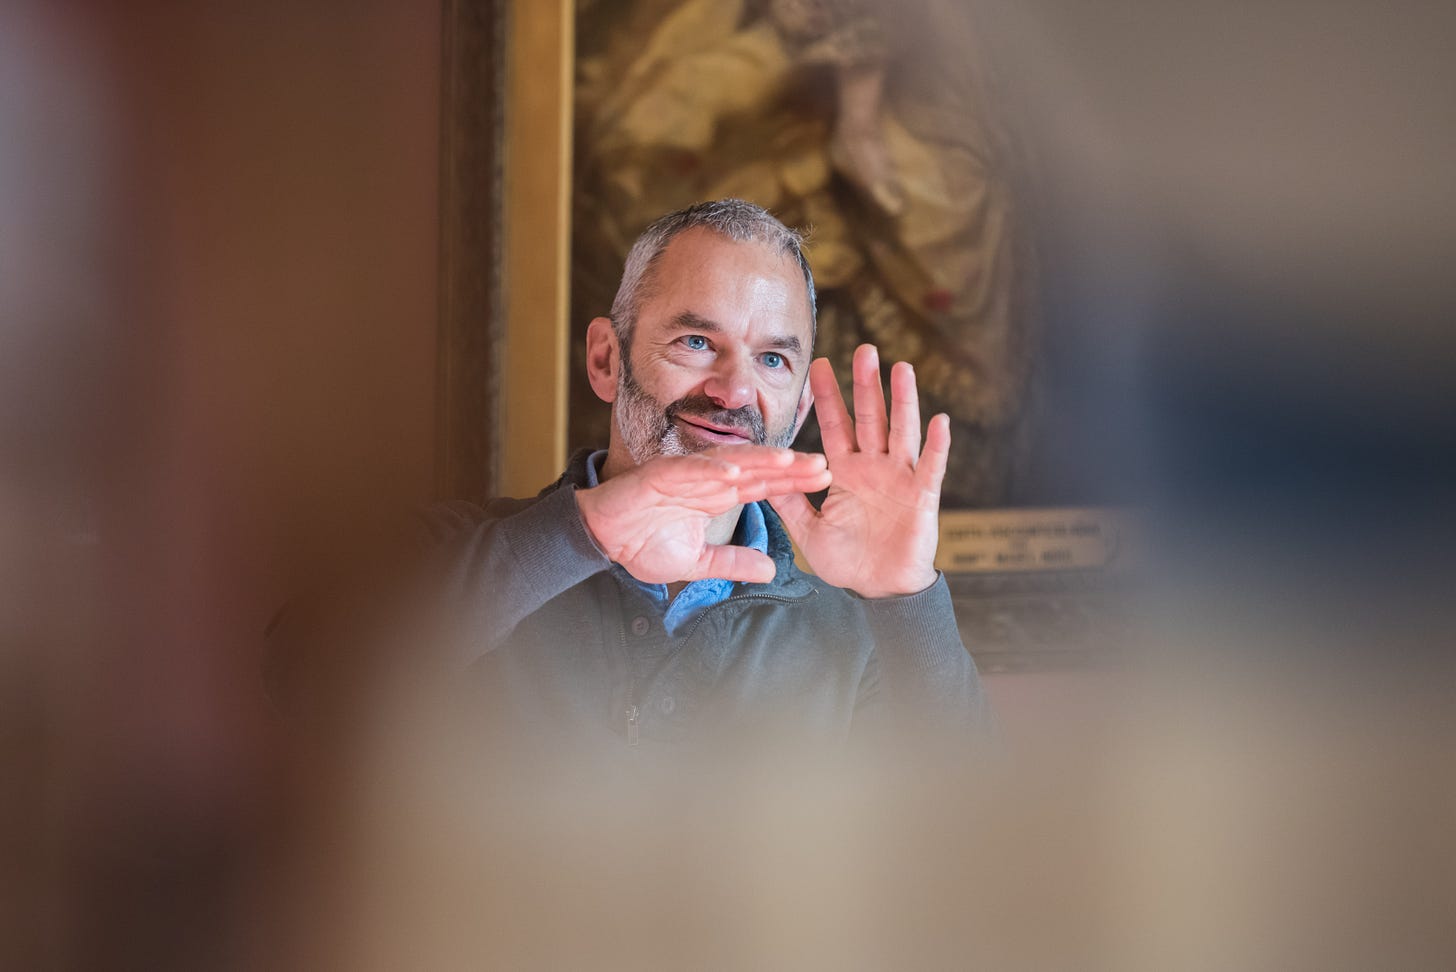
648,430
642,422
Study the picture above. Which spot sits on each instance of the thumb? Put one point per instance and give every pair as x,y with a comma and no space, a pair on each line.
796,512
734,563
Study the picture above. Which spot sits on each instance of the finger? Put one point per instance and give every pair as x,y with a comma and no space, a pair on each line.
930,471
804,468
733,563
869,400
796,512
750,455
835,429
672,472
709,498
748,487
904,413
798,464
702,488
745,461
812,483
715,490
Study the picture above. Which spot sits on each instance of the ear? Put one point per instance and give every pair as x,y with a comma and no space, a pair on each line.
603,358
801,411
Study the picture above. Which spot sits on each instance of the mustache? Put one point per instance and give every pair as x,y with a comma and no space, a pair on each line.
746,419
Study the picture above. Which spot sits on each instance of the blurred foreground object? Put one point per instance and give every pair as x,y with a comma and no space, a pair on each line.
1249,302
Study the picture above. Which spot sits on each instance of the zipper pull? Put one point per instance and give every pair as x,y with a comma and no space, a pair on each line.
632,714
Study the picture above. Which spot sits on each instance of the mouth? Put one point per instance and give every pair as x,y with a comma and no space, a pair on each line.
716,434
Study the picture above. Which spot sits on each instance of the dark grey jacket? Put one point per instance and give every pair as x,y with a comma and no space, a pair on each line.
572,653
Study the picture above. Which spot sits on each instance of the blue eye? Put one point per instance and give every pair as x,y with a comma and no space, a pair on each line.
695,342
773,360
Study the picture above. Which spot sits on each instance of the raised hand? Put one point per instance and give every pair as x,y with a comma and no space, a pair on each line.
653,519
877,531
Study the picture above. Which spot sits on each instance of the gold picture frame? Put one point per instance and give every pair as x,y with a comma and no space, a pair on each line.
505,202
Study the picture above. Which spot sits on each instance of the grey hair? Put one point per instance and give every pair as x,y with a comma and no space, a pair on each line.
741,221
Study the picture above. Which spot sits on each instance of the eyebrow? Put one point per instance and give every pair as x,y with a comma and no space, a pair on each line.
688,321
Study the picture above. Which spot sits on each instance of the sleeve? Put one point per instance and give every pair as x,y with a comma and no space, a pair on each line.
921,679
504,570
431,601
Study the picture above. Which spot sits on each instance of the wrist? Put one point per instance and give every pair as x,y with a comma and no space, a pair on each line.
586,508
908,588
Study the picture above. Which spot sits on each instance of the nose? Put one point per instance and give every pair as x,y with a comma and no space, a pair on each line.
731,384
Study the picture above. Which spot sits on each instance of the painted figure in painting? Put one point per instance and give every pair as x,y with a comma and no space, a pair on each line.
873,134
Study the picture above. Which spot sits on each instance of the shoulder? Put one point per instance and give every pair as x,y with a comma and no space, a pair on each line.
448,520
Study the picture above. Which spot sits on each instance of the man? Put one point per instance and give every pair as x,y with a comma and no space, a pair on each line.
650,597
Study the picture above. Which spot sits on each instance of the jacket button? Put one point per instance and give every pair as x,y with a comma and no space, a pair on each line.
667,705
640,626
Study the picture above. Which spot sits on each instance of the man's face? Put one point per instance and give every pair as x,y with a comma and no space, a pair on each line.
720,351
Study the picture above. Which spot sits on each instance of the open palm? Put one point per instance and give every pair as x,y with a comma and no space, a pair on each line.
877,531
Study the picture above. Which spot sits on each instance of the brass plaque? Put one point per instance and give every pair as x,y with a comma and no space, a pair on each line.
1001,541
